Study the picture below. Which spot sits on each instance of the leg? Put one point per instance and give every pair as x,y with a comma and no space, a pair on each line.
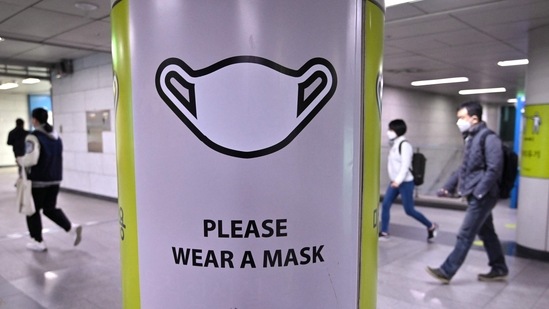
476,214
492,245
407,195
55,214
34,222
388,199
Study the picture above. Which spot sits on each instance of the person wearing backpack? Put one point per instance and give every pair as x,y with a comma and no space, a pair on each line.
402,181
476,180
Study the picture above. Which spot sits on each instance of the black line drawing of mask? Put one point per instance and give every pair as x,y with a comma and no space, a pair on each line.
246,106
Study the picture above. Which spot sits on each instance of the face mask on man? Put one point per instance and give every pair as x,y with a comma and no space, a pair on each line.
391,135
463,125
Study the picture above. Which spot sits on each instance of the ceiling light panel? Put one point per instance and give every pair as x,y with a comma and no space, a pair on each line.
508,63
389,3
481,91
450,80
30,81
7,86
86,6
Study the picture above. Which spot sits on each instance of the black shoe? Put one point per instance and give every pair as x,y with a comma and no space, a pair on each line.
493,275
437,274
432,232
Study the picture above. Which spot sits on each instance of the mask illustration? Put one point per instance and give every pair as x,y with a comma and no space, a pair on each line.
246,106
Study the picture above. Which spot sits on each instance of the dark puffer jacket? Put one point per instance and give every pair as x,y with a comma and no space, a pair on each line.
481,168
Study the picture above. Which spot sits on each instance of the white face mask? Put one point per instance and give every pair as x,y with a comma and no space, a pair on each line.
391,135
463,125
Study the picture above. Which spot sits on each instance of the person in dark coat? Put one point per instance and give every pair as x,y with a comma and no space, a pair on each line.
16,139
476,180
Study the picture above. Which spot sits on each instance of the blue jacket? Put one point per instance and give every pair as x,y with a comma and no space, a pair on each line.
482,165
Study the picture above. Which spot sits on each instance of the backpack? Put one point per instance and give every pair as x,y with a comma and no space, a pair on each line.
510,168
418,166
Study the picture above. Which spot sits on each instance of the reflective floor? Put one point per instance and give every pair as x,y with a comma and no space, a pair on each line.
403,282
88,276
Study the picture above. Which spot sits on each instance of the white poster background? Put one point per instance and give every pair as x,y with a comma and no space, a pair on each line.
313,182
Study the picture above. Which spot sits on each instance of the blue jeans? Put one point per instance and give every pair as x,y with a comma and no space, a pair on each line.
406,191
477,221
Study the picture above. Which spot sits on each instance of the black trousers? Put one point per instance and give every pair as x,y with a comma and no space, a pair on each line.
45,199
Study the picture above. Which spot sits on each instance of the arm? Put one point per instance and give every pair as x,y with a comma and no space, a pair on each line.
493,159
10,139
406,153
32,152
450,185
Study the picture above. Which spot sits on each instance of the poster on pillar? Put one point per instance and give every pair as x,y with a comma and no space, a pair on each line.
535,142
250,127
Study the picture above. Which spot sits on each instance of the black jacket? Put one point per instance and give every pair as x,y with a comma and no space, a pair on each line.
16,139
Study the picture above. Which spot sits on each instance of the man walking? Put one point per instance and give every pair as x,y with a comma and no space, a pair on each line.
477,181
16,139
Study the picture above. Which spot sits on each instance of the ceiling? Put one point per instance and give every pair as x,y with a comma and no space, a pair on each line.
429,39
434,39
40,33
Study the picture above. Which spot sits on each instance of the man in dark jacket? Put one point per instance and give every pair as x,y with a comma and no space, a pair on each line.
16,139
476,180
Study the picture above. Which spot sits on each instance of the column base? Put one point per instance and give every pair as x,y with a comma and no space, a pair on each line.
532,253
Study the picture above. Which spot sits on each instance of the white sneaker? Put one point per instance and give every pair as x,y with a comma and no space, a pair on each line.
77,230
383,236
37,246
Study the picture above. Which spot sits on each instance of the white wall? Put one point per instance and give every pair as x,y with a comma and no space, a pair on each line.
430,118
431,121
12,106
89,88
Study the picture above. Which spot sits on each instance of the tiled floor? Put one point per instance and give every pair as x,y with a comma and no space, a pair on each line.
403,282
88,276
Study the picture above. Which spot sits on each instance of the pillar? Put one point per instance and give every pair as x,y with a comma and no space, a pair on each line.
533,201
248,152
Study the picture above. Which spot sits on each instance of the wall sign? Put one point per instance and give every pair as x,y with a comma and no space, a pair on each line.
535,141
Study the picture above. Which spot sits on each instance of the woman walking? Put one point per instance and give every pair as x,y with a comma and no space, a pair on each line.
399,164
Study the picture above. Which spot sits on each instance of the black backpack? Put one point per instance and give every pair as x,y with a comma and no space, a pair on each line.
510,168
419,161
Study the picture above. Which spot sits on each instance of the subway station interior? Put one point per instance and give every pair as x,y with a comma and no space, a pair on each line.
436,54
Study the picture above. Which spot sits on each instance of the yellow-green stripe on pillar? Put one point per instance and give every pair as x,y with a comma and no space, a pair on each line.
129,258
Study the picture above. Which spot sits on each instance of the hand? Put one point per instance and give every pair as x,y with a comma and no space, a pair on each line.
443,193
394,184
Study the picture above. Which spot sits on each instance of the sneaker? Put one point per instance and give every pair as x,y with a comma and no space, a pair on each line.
438,274
77,230
432,232
37,246
493,275
383,236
